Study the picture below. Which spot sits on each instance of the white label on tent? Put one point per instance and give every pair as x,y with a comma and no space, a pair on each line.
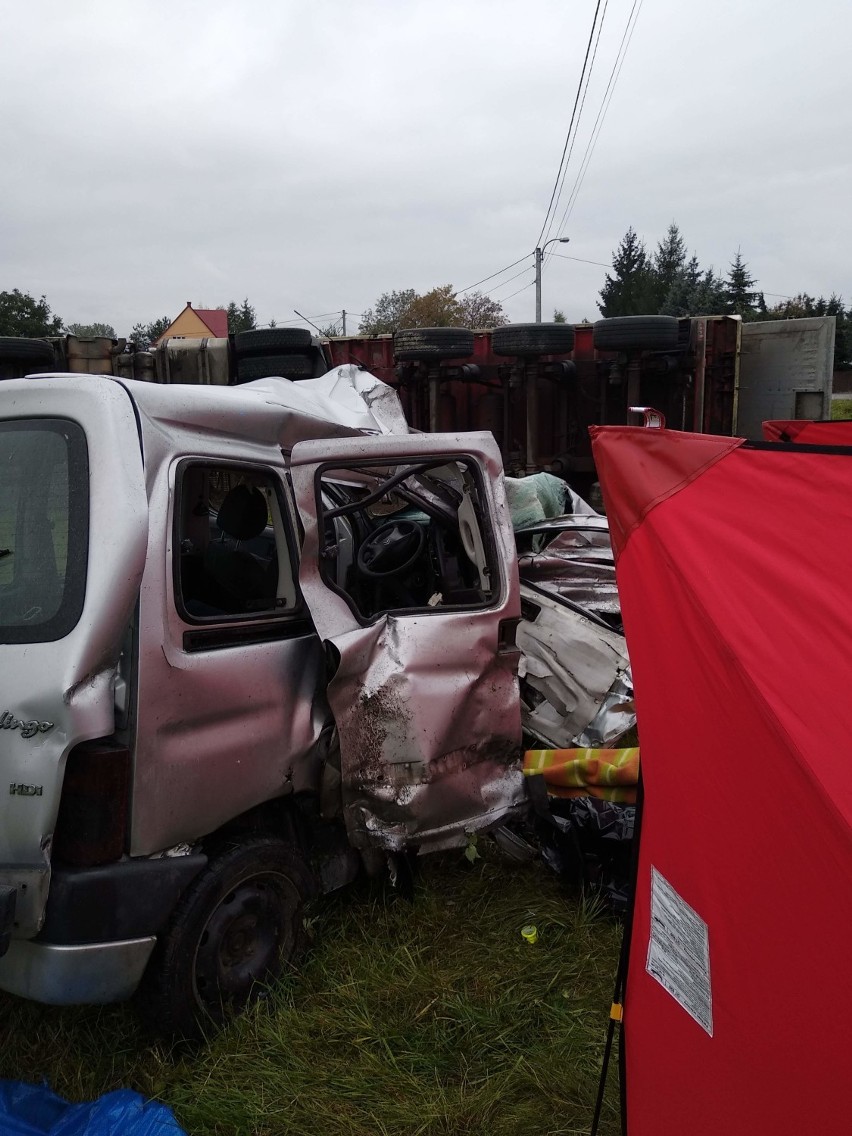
679,951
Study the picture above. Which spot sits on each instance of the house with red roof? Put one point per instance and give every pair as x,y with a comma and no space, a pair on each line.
197,323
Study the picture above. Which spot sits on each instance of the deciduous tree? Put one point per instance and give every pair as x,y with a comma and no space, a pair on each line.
91,330
440,307
386,315
22,314
478,311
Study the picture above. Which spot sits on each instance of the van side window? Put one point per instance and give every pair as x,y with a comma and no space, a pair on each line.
232,553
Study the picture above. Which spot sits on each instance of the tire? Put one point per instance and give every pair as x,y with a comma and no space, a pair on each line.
288,366
625,333
271,341
432,343
533,339
237,928
26,350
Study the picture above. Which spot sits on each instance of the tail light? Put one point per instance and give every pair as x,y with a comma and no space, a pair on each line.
91,827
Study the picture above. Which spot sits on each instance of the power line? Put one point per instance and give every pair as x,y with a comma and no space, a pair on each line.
322,315
579,117
497,287
601,116
493,274
582,260
509,297
570,125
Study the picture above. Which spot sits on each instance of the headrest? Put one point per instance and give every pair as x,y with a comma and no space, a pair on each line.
242,515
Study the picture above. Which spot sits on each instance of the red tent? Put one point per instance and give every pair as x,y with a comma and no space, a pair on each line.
804,431
734,567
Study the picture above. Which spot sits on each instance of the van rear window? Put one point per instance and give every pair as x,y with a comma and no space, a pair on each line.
44,528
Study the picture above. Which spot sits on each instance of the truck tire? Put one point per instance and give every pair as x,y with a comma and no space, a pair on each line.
237,928
417,343
262,366
626,333
26,350
533,339
271,341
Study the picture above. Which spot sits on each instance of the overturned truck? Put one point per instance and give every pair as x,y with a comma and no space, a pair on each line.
255,640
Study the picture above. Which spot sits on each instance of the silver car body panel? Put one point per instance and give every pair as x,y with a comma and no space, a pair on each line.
222,730
265,700
426,704
75,975
70,683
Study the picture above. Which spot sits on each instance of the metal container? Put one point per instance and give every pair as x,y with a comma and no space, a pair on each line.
203,362
92,355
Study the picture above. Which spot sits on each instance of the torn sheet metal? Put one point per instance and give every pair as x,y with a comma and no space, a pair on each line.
426,702
576,688
572,557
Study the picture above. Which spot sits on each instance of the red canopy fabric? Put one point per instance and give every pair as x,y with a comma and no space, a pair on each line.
734,585
804,431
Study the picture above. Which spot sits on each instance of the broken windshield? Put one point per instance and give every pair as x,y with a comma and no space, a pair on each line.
43,528
418,536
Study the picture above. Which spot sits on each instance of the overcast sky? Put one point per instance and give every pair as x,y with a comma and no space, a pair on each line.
312,154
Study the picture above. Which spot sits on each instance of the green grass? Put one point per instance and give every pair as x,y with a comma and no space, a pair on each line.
841,408
429,1018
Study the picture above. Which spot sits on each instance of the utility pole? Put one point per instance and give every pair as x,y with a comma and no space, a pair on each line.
343,320
539,252
538,285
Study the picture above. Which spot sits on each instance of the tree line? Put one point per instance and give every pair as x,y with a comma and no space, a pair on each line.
667,281
24,315
670,281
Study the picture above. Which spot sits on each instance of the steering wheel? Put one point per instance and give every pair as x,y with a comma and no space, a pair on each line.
391,549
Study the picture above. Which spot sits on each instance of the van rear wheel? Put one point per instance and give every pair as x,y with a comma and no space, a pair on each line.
236,929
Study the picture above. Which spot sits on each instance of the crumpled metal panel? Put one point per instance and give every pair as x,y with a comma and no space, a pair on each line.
575,676
426,705
576,563
276,411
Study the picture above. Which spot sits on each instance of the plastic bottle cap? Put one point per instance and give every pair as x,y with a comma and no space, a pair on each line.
530,933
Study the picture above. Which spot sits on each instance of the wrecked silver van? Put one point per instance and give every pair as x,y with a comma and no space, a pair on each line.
251,638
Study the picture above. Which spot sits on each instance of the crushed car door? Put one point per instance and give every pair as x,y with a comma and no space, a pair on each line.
410,573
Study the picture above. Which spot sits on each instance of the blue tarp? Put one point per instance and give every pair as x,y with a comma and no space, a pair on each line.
33,1110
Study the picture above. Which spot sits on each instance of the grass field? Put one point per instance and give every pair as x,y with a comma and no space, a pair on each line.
433,1018
841,408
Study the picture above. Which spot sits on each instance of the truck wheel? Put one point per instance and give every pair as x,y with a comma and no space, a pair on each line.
432,343
290,366
26,350
271,341
625,333
533,339
237,928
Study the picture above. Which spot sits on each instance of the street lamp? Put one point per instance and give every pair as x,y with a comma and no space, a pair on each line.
538,255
